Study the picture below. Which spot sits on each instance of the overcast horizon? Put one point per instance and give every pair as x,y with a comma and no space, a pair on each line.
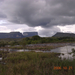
46,17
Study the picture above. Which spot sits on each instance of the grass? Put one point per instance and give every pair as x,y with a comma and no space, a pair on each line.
12,47
32,63
34,47
44,48
62,53
70,53
3,54
73,50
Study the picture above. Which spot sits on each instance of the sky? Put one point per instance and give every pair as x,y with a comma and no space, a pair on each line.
46,17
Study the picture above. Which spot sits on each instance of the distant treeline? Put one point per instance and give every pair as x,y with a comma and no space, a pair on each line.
35,40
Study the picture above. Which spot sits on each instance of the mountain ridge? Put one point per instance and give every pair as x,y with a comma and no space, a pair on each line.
61,34
15,35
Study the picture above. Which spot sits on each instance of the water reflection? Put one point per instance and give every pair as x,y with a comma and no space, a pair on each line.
21,50
65,49
66,52
0,58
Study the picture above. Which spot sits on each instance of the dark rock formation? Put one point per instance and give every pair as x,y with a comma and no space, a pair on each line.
11,35
17,35
29,34
59,34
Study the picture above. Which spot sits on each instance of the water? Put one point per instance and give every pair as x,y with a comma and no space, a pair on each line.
0,58
21,50
64,52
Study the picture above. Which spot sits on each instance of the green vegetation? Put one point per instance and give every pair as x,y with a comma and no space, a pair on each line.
73,50
22,42
31,63
35,40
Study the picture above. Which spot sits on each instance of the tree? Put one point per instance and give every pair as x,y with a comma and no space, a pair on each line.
35,37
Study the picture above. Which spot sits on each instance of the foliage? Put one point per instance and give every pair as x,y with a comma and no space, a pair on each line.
31,63
73,50
35,40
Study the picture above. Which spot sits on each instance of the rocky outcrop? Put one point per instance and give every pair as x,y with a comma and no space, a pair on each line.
29,34
11,35
17,35
59,34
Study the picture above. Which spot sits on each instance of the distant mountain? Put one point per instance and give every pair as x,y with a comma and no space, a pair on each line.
11,35
29,34
59,34
17,35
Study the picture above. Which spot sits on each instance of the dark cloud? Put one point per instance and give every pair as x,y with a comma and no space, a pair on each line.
2,15
43,13
1,1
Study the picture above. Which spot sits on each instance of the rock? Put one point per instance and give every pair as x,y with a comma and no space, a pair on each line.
60,34
29,34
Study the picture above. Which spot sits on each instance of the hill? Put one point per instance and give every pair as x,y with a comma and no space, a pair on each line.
17,35
60,34
11,35
29,34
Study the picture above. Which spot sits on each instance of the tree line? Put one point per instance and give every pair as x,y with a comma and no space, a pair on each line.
35,40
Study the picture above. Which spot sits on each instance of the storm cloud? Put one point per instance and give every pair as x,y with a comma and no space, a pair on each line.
45,13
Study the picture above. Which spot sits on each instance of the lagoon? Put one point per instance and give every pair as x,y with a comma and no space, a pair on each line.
65,51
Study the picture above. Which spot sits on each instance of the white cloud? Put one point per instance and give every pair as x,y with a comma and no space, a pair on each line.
67,28
4,29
